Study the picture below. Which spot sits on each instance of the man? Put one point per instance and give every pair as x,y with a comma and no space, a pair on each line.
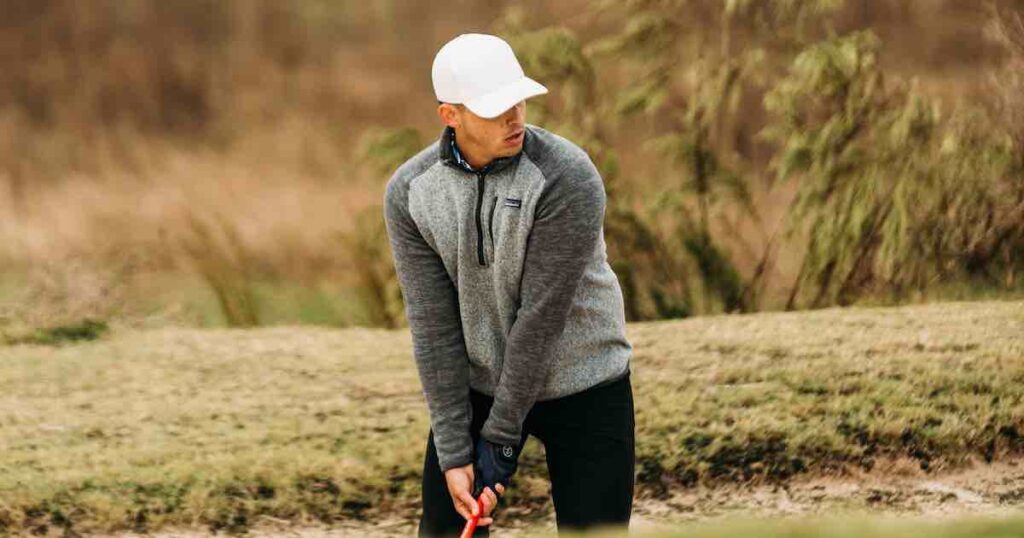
516,317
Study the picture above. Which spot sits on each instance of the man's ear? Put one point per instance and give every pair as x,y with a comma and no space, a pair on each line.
449,114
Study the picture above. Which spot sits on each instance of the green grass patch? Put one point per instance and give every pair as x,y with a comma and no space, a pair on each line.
82,331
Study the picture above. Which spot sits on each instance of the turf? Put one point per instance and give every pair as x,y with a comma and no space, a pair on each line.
213,428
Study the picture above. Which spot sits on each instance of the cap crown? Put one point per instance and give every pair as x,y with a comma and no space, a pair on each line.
473,65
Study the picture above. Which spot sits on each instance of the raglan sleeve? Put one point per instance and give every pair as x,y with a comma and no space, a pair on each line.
432,308
567,227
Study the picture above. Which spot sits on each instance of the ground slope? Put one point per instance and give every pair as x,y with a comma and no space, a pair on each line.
231,429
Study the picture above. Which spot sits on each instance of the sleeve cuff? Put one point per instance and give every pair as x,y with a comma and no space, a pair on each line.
456,460
497,434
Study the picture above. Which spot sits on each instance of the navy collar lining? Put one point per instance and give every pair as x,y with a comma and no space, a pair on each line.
451,156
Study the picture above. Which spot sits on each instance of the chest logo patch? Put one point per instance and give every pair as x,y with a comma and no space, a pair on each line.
513,202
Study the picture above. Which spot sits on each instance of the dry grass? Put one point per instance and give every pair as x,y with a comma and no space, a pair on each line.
207,427
111,247
121,123
770,396
216,428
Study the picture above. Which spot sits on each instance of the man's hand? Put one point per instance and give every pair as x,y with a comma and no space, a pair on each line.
460,487
495,464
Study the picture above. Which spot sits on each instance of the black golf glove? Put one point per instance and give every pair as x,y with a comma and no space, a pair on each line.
495,464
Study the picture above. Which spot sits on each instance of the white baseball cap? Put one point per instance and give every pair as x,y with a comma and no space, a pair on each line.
481,72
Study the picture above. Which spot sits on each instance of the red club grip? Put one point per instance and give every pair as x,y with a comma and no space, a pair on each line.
470,528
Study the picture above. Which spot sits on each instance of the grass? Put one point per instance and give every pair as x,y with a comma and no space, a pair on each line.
167,298
205,427
215,427
86,329
771,396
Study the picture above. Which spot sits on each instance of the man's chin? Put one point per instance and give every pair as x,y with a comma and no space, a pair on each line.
508,151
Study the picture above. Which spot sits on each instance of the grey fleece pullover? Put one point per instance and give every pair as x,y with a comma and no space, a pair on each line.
506,283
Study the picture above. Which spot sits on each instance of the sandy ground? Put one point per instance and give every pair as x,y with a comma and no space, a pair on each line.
898,490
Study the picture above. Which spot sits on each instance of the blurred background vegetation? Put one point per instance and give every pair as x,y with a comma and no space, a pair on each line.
212,162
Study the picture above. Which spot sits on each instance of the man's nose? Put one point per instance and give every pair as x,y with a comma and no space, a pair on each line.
515,114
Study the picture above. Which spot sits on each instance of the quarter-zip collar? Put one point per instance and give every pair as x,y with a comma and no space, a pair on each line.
451,156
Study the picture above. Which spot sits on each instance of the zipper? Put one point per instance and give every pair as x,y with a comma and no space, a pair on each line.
479,218
490,224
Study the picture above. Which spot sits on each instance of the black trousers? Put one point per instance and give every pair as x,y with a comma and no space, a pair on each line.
588,441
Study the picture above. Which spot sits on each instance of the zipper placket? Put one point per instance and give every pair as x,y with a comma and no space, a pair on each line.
479,218
490,224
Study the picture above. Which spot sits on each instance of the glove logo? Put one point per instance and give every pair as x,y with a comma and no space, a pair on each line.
506,451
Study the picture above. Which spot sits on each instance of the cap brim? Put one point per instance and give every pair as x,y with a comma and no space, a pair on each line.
493,104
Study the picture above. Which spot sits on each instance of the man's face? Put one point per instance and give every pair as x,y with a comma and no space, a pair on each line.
487,139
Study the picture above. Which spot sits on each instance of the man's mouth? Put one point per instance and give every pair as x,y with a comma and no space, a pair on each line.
514,137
